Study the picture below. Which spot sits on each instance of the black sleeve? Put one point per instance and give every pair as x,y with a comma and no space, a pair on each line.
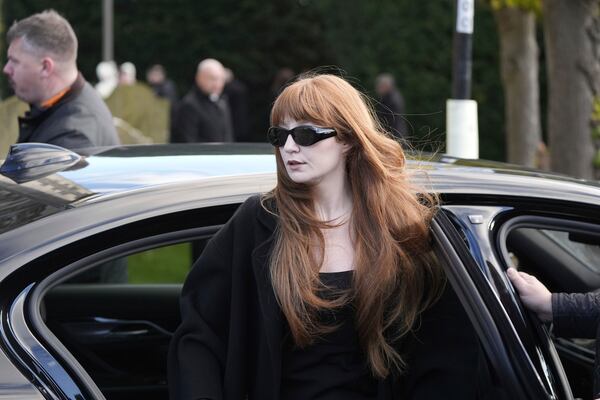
575,314
443,354
198,350
186,124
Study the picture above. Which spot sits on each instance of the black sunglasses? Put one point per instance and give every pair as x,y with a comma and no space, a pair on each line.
304,135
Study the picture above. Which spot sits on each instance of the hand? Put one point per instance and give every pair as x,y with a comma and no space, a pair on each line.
533,293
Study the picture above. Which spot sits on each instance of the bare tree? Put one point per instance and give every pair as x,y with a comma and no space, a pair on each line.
519,68
572,40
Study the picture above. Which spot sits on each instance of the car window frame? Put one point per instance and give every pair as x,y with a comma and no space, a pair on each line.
502,343
35,298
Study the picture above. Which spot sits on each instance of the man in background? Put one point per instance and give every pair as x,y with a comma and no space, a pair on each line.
390,107
156,76
41,66
65,110
237,98
203,115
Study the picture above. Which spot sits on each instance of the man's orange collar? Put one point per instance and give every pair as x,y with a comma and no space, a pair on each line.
54,99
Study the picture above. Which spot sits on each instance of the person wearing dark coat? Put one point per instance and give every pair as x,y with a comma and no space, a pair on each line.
275,307
163,87
573,315
203,115
41,67
237,97
390,106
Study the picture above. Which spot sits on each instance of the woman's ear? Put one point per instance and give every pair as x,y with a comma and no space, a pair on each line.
346,147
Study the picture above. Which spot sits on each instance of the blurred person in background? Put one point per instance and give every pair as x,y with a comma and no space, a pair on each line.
65,110
283,76
156,76
127,74
390,105
203,115
41,66
108,78
237,96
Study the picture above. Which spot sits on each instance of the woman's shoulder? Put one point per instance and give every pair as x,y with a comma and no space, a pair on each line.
260,208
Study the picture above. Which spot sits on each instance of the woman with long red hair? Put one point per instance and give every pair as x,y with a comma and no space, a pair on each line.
314,290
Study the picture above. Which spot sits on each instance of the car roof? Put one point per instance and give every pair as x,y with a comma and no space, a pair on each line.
118,171
109,171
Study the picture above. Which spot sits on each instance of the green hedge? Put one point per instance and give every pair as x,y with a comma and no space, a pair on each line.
411,39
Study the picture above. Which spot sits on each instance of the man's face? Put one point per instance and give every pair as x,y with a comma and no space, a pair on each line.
24,71
211,80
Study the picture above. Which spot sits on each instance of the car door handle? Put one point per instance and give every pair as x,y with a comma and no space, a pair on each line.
107,330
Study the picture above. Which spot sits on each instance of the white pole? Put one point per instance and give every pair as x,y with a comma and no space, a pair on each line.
462,133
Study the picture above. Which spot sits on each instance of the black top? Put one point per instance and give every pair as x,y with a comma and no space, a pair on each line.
334,366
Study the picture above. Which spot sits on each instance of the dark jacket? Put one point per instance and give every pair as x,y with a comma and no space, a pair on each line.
79,119
196,118
576,314
237,98
229,343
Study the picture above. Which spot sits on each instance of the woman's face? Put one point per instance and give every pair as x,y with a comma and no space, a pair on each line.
322,162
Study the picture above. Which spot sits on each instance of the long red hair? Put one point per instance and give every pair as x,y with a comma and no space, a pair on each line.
393,280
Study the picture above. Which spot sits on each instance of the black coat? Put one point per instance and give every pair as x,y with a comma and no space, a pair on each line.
196,118
79,119
230,341
576,314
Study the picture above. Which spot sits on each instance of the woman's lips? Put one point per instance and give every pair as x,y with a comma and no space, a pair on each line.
294,164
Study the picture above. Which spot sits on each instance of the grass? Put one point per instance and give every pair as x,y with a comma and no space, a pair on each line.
169,264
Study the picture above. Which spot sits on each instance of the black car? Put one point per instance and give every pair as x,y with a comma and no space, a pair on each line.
73,325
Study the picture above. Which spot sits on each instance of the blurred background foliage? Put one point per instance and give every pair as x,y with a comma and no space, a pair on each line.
410,39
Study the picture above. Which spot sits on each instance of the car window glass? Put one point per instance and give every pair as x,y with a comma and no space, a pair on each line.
587,253
169,264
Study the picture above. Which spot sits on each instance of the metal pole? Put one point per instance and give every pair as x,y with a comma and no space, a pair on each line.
107,30
462,132
462,50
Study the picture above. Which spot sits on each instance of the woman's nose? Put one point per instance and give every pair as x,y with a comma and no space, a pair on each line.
290,145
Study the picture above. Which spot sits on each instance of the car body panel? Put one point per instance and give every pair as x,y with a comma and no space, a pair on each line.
116,188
